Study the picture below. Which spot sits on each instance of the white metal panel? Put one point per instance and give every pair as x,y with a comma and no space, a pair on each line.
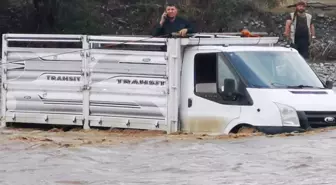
41,89
44,118
43,85
127,89
131,123
44,54
83,86
3,79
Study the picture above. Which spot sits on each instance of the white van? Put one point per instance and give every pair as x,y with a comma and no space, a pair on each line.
214,85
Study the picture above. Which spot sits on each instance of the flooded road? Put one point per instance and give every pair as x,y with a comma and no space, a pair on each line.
43,158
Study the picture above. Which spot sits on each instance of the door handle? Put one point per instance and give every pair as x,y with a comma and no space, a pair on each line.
189,102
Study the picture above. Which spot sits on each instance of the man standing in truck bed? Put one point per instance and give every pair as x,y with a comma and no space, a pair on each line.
300,29
171,23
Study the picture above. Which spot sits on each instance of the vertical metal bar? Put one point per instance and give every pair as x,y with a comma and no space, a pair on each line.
4,81
177,63
178,66
174,48
172,86
86,93
168,85
168,59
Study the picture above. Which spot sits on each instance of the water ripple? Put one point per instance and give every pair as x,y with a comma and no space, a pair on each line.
301,160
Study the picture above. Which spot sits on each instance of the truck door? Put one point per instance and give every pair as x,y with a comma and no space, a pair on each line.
206,110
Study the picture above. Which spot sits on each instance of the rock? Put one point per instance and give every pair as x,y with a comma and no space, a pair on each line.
321,15
326,71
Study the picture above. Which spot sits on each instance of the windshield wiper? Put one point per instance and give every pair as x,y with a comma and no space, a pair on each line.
304,86
295,86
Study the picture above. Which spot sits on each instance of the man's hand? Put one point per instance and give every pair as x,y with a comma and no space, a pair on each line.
163,18
183,32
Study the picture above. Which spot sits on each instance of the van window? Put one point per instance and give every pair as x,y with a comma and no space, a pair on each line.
210,71
205,68
205,73
224,72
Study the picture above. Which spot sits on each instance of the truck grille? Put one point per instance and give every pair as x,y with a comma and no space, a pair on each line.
321,118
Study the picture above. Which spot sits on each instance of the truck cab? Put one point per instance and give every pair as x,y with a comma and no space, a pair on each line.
270,88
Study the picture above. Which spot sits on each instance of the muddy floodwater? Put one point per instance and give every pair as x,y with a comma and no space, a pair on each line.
32,157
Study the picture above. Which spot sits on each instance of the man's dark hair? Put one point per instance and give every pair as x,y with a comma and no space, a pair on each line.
171,4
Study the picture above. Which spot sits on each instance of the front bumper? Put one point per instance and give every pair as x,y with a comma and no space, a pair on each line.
308,120
279,130
304,126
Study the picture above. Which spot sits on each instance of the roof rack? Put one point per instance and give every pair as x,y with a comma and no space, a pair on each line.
225,35
201,39
196,39
241,41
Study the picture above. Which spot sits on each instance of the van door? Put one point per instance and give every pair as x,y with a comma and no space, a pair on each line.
207,111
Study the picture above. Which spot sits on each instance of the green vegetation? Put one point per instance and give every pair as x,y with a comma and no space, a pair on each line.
117,16
139,17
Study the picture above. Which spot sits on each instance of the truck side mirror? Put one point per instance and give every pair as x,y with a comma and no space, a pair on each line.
329,84
229,87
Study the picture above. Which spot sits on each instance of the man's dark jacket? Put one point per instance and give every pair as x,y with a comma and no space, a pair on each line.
169,27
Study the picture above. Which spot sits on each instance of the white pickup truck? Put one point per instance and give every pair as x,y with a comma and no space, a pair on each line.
212,84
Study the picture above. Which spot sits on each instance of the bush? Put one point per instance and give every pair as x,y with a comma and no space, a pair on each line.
116,16
140,16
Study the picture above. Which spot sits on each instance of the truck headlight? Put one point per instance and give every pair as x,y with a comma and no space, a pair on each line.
288,115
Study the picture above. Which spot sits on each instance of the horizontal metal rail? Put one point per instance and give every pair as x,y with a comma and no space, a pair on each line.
221,39
232,33
127,40
127,43
231,41
43,37
123,38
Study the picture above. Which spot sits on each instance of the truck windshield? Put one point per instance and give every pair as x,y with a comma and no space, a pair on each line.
274,69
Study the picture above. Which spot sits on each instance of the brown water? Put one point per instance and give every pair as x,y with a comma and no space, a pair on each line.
99,158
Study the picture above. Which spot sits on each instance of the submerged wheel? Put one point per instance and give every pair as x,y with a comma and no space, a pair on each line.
247,130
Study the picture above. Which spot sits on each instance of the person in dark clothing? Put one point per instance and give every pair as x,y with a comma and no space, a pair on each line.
171,23
300,29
